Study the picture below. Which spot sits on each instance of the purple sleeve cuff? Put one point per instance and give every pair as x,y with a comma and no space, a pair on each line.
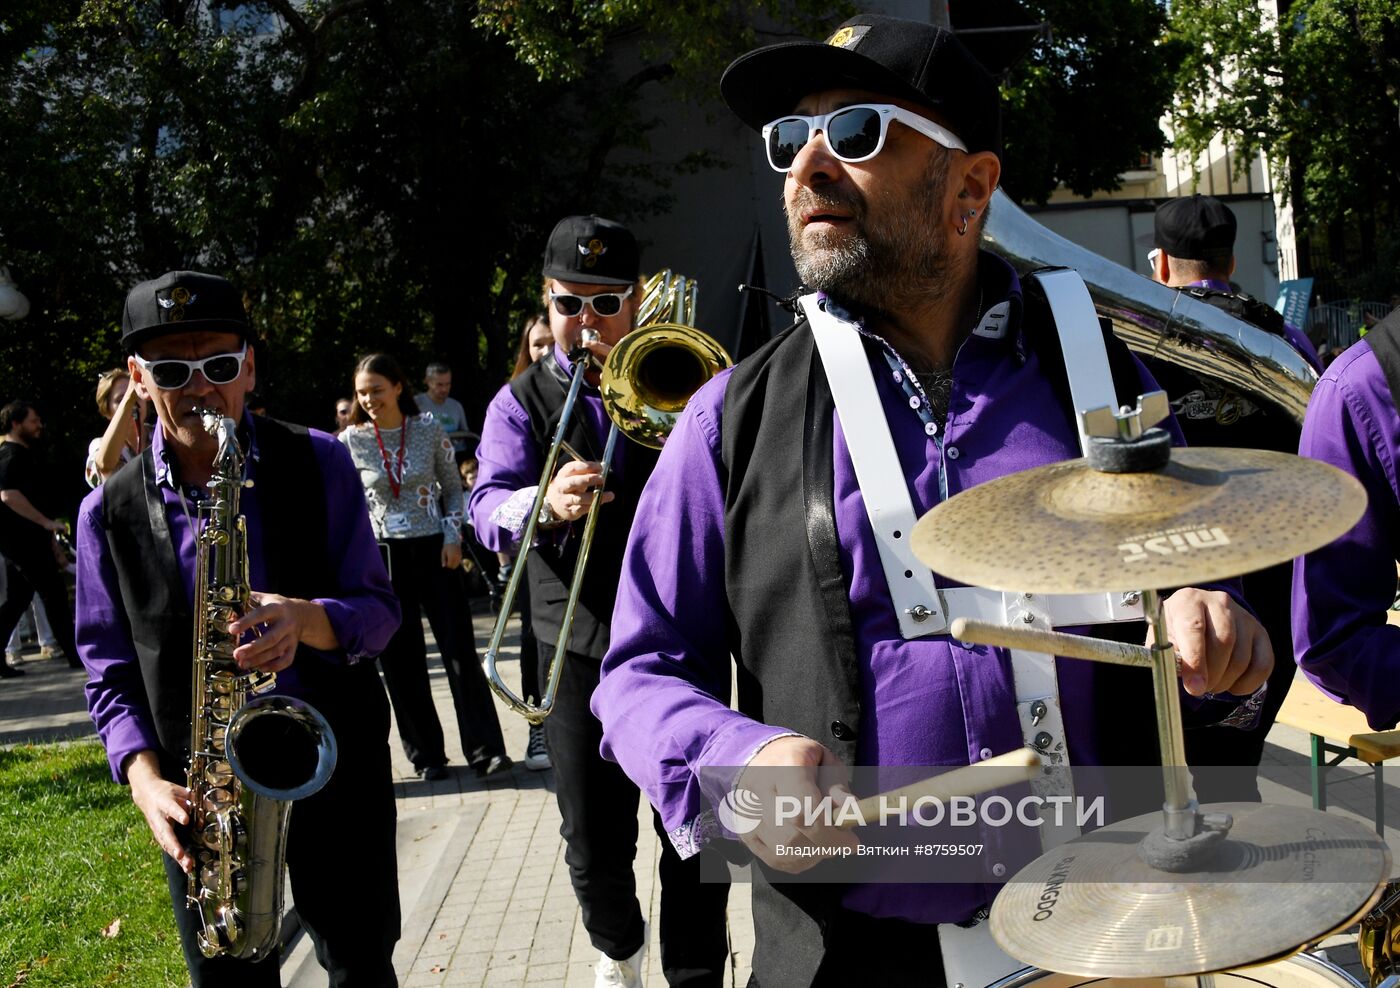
358,639
126,739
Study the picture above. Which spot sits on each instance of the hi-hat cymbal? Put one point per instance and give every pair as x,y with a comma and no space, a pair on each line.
1285,877
1207,515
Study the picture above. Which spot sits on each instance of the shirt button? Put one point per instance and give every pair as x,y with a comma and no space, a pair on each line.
913,401
930,428
841,731
984,754
998,869
953,452
898,378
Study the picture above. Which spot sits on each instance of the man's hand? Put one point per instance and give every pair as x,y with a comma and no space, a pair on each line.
789,767
280,624
451,555
598,348
572,489
1223,648
161,803
56,526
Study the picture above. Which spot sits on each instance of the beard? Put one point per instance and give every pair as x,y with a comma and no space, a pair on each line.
886,262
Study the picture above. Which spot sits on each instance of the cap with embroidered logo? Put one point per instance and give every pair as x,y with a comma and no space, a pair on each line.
888,56
590,250
182,302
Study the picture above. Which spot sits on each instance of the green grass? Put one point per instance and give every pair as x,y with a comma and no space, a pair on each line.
75,854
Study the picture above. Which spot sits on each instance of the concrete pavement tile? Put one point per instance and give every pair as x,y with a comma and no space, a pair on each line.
580,976
548,972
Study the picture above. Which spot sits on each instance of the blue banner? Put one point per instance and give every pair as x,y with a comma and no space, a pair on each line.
1293,300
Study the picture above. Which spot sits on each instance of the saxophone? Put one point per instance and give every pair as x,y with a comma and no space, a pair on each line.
250,754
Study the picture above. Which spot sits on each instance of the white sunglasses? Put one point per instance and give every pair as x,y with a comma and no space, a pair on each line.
853,133
170,374
604,303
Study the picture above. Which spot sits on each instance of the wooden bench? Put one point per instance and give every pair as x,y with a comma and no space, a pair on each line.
1342,731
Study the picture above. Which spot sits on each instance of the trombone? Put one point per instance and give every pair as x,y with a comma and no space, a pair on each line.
647,380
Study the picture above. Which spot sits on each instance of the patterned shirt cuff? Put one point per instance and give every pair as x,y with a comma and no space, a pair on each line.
690,838
1246,715
511,513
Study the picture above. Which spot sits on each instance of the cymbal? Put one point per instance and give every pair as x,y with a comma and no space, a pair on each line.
1207,515
1285,877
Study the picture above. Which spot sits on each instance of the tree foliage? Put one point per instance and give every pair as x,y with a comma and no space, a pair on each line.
381,174
1084,105
377,174
1316,91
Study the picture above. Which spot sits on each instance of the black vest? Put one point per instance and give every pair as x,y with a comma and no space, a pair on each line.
541,391
153,598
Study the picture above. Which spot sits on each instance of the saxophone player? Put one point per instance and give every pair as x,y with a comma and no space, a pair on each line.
321,609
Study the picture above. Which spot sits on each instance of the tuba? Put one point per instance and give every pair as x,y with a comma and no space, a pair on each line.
250,754
646,382
1157,321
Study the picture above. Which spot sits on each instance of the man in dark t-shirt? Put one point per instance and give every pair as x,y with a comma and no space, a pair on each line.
27,535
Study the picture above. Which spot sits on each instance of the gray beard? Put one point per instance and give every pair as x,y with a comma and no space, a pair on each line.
900,265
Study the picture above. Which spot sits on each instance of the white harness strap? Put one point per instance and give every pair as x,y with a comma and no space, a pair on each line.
971,958
881,479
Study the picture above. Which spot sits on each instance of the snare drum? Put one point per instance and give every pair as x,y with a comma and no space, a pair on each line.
1298,971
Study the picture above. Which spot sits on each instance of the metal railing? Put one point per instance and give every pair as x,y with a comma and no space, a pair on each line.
1343,320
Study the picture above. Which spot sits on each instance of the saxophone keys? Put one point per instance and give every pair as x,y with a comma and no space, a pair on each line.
218,774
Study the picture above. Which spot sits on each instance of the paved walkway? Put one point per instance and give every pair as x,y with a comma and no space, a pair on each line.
485,893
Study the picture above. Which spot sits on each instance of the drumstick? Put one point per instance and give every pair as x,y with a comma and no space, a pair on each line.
1050,642
1014,767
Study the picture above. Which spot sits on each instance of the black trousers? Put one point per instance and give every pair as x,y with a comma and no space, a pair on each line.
423,584
598,804
30,568
341,859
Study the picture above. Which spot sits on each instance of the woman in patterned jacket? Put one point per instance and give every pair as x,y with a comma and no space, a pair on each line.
410,478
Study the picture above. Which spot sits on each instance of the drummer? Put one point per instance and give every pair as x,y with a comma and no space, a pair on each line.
752,538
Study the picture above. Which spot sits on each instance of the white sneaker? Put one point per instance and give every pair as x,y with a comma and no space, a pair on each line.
621,974
536,753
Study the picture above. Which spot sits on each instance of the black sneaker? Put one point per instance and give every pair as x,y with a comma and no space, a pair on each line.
434,773
494,765
536,752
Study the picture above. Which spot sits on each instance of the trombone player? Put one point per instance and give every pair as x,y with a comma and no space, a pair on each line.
592,293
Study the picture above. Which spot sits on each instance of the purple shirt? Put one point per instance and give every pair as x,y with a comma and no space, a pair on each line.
929,701
1295,336
1342,591
363,616
509,460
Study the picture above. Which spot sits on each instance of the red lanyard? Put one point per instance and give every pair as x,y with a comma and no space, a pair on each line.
395,483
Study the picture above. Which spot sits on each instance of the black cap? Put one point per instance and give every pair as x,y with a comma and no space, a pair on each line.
182,302
1199,228
903,59
592,251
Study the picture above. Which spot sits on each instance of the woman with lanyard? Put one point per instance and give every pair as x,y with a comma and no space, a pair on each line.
409,473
